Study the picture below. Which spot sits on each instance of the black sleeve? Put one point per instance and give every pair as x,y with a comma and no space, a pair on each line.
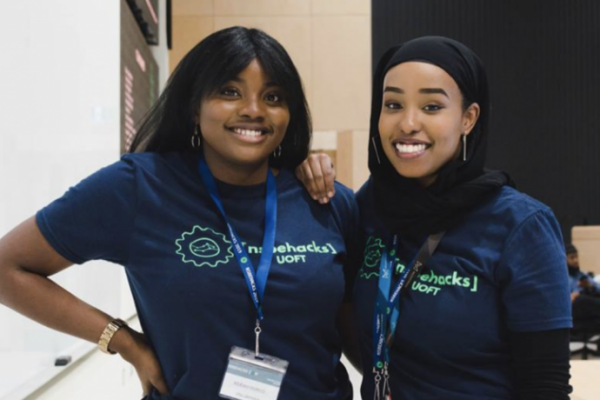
540,362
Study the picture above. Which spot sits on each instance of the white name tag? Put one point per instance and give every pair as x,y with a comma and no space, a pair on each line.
252,378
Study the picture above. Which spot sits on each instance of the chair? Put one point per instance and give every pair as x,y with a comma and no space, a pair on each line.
585,342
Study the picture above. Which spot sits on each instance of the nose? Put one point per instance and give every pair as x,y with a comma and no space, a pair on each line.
252,108
410,122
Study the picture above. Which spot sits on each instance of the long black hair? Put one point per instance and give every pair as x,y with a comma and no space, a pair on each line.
214,61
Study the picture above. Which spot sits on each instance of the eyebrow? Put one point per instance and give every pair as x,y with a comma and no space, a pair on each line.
268,84
424,90
433,91
393,89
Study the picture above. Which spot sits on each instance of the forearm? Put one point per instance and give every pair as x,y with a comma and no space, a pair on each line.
26,262
42,300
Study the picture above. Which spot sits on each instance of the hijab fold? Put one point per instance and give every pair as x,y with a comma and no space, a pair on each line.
402,204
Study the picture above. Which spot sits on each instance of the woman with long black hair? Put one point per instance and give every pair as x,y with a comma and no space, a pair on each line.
237,275
462,292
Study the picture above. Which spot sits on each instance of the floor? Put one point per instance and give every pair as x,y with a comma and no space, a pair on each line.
585,379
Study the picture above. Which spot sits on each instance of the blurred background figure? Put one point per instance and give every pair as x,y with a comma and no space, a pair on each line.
585,294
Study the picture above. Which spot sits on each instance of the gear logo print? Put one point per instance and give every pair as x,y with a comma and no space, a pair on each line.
203,246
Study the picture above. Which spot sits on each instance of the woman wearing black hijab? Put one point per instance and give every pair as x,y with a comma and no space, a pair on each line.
462,291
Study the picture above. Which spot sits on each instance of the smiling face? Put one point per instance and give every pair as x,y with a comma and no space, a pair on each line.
422,119
242,124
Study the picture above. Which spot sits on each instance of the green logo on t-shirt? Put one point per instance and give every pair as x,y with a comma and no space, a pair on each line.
203,246
428,282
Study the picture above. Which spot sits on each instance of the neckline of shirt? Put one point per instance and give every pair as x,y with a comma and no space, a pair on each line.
230,191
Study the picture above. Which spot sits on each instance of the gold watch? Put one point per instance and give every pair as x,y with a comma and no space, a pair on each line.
108,333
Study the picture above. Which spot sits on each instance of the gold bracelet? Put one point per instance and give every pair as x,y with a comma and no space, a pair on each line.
108,333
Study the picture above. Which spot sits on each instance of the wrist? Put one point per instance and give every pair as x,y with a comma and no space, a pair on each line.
127,343
112,336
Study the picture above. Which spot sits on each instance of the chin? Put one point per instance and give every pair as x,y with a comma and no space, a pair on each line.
411,173
423,178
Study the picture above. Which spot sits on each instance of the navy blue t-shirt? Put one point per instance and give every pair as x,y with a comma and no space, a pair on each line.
503,269
152,214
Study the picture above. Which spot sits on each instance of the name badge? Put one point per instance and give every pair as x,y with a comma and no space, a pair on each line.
251,377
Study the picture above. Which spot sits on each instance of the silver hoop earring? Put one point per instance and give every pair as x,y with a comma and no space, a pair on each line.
375,148
196,138
277,152
464,146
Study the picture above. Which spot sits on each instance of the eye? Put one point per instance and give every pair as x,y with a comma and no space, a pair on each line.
432,108
274,97
229,92
391,105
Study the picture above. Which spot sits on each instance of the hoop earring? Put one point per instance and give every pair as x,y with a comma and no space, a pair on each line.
375,148
464,146
277,152
196,138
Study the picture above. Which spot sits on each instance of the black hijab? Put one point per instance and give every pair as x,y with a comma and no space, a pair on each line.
402,204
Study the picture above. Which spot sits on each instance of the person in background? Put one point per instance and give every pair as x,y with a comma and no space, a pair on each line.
462,292
580,282
221,244
585,294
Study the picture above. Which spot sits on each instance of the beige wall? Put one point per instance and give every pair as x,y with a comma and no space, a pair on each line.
587,241
352,158
329,41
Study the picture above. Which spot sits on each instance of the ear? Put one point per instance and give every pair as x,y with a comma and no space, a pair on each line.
470,117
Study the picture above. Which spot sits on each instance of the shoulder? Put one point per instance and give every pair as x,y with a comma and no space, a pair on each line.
512,208
364,196
162,166
345,210
517,223
289,185
508,224
369,219
342,207
344,197
154,161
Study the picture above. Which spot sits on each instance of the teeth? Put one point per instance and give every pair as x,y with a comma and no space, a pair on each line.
247,132
410,148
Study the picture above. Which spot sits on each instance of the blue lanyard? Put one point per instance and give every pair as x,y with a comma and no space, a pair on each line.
255,280
387,307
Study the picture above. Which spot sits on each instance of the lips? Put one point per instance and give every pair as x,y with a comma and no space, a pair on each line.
410,148
252,134
252,131
248,132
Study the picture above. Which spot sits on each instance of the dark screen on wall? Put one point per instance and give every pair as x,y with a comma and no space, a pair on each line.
542,59
139,77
